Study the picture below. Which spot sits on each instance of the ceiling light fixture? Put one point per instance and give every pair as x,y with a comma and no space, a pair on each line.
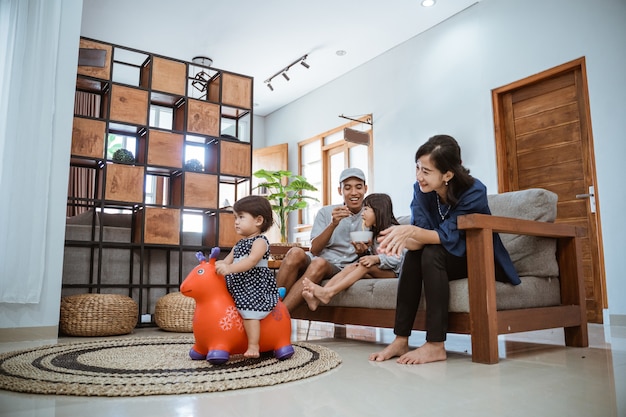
202,60
428,3
283,71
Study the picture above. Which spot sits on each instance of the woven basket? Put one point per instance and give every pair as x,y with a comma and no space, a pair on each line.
174,313
98,315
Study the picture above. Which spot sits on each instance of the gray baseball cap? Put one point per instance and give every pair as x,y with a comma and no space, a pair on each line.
351,172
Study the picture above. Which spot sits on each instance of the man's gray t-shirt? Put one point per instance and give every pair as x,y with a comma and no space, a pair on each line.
339,250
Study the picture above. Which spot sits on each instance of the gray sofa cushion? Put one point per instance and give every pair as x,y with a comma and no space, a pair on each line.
532,256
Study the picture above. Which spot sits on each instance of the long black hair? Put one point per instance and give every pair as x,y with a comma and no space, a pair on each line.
382,206
445,153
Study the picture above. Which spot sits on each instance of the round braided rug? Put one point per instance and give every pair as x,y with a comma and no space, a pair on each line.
128,367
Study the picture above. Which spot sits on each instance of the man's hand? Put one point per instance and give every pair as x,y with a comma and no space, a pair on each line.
361,247
339,213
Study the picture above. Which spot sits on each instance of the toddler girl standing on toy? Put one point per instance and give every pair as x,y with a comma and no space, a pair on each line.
377,216
248,277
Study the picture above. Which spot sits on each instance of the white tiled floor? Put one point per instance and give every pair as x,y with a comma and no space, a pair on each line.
536,376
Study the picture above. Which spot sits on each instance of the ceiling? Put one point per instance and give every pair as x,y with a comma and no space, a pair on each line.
260,38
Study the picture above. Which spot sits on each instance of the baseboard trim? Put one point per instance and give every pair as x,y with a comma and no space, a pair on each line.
617,319
23,334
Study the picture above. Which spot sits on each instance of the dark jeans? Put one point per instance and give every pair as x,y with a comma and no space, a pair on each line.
433,267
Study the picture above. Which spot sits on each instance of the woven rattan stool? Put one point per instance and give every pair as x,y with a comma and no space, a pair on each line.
174,313
98,315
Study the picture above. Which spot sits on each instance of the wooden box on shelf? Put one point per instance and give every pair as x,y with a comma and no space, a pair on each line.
203,117
169,76
104,73
237,90
129,105
235,158
124,183
88,137
165,148
200,190
227,234
162,226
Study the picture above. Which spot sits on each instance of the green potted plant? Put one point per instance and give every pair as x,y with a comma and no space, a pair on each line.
123,156
285,191
194,165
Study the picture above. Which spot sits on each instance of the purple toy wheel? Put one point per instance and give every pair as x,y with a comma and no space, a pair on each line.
284,352
217,357
195,355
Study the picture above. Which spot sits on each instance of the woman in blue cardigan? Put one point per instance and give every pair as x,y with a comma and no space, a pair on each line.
436,253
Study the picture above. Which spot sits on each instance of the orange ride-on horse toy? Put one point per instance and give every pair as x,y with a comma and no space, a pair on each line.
217,325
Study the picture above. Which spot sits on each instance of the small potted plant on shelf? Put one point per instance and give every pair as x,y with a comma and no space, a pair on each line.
123,156
285,191
194,165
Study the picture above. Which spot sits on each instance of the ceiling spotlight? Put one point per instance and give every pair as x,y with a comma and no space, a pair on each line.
284,70
428,3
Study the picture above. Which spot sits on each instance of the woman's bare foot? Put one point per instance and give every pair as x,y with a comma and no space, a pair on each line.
252,352
310,299
398,347
428,352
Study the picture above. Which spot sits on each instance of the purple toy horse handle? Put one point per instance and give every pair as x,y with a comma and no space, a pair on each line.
214,254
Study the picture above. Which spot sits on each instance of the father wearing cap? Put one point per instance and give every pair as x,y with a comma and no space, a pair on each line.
331,248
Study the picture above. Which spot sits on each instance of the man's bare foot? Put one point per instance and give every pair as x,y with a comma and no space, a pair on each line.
252,352
428,352
398,347
310,299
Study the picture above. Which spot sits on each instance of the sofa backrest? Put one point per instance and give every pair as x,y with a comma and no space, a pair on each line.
532,256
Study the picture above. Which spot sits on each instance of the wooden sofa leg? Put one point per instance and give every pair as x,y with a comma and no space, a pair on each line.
485,347
482,296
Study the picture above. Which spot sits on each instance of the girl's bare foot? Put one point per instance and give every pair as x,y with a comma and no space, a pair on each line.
252,352
321,293
428,352
398,347
310,299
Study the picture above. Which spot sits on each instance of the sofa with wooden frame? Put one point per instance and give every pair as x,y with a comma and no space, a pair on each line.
547,256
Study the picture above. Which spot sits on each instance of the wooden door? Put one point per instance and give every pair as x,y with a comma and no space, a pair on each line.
544,140
271,158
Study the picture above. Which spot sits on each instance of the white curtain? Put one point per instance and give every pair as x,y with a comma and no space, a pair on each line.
29,37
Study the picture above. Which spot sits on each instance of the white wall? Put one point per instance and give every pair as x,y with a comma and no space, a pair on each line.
441,82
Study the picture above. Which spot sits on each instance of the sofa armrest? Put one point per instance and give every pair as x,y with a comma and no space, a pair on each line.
479,230
480,227
501,224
